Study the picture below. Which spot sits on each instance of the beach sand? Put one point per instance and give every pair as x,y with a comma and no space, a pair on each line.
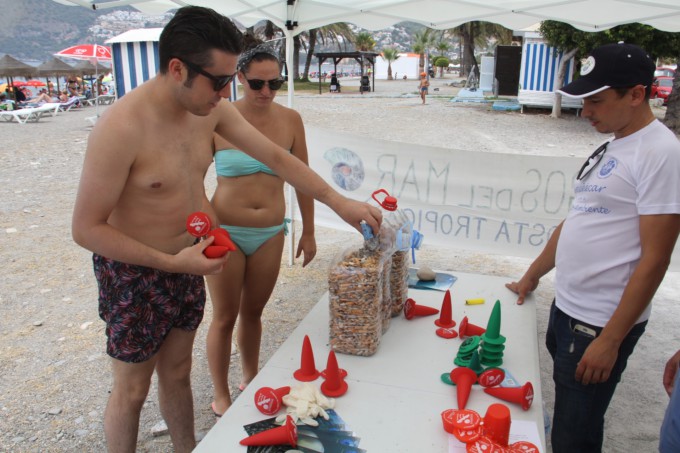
55,376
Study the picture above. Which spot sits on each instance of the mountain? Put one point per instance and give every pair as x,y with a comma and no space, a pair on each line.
33,30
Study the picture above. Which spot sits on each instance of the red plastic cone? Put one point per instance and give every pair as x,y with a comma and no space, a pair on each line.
463,378
222,238
467,329
445,318
307,371
281,435
523,395
412,309
334,385
497,424
215,251
269,400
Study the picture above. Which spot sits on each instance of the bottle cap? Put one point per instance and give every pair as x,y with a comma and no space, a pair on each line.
198,224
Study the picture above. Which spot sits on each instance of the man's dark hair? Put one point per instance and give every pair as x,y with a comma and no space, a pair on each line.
621,92
193,33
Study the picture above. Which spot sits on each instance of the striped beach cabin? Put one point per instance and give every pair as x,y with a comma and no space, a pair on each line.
136,60
538,73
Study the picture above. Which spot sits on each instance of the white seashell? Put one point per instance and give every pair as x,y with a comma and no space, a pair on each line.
426,274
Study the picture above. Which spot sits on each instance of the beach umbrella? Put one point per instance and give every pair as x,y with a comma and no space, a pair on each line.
94,53
87,68
27,83
54,67
11,67
90,52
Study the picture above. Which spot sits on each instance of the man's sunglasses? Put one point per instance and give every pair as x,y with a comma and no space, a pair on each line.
592,161
219,81
257,84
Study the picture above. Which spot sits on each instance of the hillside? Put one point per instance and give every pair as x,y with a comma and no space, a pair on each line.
33,30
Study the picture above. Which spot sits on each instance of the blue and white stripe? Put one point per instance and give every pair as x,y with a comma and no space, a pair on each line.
540,64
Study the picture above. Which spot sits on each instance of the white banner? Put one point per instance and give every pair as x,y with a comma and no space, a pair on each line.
504,204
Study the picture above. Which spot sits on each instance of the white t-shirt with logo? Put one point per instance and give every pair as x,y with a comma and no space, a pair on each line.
599,245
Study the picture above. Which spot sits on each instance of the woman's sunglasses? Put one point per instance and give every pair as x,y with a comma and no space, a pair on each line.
219,82
257,84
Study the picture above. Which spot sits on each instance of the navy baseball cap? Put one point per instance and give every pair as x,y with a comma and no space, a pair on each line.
612,66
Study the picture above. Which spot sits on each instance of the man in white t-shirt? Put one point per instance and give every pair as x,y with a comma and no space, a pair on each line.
613,249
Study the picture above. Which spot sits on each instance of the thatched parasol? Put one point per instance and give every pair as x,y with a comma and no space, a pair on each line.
11,67
55,67
85,67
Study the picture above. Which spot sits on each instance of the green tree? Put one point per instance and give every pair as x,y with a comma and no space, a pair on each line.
659,44
338,33
364,42
390,54
422,41
441,63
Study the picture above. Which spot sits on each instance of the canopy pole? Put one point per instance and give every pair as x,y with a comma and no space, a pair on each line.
291,93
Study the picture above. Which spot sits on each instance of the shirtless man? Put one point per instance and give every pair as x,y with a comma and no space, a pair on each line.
142,176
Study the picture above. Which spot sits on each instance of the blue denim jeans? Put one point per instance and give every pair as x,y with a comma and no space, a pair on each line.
670,429
578,420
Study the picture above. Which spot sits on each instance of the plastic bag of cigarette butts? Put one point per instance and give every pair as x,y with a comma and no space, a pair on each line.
355,286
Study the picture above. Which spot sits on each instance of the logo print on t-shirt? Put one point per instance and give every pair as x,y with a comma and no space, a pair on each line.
608,168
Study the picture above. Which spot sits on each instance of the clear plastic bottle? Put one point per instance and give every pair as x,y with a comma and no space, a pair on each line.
394,240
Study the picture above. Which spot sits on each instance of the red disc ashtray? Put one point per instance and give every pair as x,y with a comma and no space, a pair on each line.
198,224
446,332
491,377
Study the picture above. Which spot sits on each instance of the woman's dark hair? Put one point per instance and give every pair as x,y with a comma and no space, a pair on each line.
193,33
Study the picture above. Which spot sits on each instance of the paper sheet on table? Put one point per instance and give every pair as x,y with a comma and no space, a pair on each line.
441,282
519,430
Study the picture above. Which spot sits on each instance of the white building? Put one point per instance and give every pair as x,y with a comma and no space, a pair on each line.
406,65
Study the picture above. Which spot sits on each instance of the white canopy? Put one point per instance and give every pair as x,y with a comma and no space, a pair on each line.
301,15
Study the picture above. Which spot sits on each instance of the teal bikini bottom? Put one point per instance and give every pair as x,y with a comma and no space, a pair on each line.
249,239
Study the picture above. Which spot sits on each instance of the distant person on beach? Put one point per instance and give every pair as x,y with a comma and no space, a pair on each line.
250,204
142,177
612,251
423,86
72,85
41,98
669,439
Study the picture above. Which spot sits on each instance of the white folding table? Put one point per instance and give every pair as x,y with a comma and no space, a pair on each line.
395,397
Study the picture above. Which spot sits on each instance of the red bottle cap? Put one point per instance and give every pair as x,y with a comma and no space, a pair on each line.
389,202
198,224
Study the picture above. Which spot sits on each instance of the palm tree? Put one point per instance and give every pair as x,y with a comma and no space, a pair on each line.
390,54
364,42
339,33
422,41
442,47
478,33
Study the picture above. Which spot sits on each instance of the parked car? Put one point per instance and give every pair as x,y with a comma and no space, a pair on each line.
661,88
664,72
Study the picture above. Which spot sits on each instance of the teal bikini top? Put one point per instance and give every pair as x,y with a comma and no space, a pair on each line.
232,163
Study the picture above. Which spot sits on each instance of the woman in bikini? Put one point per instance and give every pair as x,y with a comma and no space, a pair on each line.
249,202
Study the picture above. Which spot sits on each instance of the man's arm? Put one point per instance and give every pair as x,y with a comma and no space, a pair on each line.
658,234
670,371
307,242
107,164
235,129
543,264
